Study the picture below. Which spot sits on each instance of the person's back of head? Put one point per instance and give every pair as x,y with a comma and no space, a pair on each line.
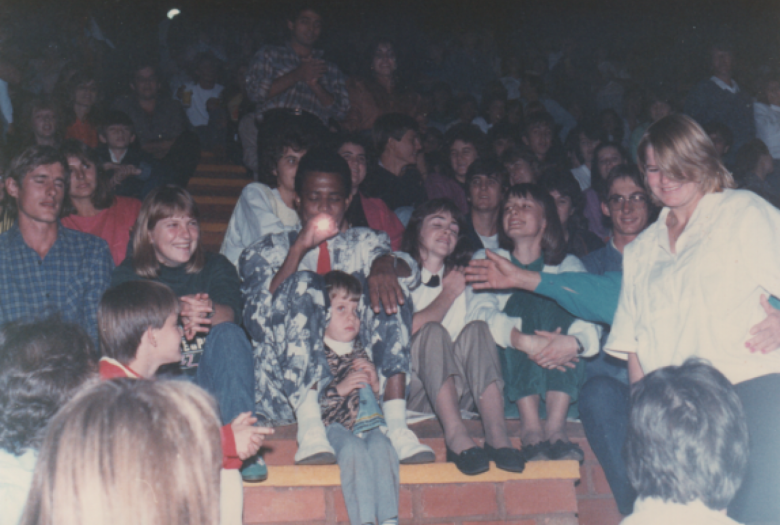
687,436
42,365
113,456
127,311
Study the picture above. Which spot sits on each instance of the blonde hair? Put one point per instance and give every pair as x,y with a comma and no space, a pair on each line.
684,152
163,203
128,452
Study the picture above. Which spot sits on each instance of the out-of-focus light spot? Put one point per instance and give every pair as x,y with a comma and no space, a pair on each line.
172,13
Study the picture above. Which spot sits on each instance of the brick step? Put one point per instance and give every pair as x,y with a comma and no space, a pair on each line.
312,494
432,494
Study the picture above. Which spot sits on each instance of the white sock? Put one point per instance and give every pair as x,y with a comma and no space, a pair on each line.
391,521
395,414
308,414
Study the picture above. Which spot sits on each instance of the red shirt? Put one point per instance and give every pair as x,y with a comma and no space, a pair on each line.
112,369
112,225
83,132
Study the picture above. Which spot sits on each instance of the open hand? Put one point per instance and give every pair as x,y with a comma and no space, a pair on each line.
248,437
497,273
766,334
383,287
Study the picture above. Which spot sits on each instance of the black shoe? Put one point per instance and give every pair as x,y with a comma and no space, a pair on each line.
538,452
506,458
566,450
471,461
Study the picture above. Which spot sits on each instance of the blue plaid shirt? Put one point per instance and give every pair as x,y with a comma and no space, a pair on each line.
272,62
69,281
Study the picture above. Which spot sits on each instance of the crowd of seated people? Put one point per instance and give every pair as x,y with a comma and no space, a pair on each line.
521,246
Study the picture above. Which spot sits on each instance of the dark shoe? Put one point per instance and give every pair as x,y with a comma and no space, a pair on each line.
254,470
507,458
566,450
538,452
471,461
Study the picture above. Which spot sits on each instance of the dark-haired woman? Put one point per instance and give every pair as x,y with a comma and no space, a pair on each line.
366,211
91,206
454,364
378,92
540,344
79,108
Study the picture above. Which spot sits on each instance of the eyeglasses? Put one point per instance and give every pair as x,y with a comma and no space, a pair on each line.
616,202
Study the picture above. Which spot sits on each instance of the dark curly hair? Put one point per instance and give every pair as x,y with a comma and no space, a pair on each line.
42,365
410,242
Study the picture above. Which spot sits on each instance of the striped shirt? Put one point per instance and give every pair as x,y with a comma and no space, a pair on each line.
272,62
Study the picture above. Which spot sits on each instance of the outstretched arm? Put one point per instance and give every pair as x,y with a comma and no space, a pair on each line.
586,296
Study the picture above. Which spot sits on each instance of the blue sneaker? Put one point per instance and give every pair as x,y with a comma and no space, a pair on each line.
254,470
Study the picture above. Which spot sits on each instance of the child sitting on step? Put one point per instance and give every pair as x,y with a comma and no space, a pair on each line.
366,457
138,323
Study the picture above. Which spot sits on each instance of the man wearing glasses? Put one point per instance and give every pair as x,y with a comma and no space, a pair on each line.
628,207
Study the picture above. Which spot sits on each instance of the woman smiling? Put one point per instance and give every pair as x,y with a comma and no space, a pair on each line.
540,344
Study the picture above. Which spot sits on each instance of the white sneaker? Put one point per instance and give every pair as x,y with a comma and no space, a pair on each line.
314,448
408,447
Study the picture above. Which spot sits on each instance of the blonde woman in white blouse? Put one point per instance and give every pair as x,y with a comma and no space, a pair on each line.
696,281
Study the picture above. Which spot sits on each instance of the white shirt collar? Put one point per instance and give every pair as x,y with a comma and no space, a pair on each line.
426,275
733,88
114,159
340,348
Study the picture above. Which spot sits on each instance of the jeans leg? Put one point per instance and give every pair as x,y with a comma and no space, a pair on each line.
386,480
226,370
604,406
758,499
357,474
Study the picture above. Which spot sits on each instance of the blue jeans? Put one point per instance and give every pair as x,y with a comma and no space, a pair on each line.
369,474
604,408
758,499
226,370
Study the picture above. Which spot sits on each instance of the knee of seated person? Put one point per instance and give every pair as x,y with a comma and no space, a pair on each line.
355,451
478,328
228,335
597,389
434,328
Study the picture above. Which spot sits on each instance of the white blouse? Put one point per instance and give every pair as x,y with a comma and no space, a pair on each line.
702,300
259,211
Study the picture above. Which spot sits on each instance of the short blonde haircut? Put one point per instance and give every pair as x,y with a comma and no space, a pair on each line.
163,203
684,152
128,452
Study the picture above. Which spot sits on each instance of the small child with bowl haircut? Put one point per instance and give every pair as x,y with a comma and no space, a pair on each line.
366,457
